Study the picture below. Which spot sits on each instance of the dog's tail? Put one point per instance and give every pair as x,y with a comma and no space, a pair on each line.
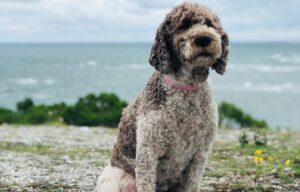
113,179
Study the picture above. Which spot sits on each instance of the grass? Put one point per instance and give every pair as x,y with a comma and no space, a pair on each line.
50,151
228,159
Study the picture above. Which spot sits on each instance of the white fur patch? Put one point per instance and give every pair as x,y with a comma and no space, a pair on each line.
113,179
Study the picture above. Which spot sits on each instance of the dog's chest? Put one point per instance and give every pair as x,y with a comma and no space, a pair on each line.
186,133
188,111
189,126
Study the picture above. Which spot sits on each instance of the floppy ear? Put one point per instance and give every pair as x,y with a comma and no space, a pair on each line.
162,56
220,65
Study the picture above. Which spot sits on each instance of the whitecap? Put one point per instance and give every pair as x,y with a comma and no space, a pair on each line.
277,69
248,86
26,81
89,63
265,68
281,58
284,59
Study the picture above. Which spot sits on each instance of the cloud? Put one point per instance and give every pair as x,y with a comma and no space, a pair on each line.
137,20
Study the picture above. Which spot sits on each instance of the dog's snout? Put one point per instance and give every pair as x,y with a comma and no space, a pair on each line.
202,41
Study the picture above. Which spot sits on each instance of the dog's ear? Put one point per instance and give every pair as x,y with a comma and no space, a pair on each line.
162,56
220,65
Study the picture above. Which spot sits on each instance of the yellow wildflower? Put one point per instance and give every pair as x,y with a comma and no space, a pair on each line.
287,162
270,158
258,152
258,159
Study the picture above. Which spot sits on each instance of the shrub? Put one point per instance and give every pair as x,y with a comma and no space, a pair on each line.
105,109
230,111
55,112
24,106
8,116
260,139
35,115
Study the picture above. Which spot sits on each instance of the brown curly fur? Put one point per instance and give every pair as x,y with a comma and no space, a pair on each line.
165,134
162,56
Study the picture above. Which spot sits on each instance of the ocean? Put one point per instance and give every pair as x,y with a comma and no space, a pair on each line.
262,78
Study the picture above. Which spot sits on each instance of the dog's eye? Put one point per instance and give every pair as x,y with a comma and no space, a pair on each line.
181,45
186,23
209,23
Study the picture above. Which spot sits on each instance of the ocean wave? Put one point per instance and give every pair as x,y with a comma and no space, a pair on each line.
89,63
26,81
265,68
249,86
286,59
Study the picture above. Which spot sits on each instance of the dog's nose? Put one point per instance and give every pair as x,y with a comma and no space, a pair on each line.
202,41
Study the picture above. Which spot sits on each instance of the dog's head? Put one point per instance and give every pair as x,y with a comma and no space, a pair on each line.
191,38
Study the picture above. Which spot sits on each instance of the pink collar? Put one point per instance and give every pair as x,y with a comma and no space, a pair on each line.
173,83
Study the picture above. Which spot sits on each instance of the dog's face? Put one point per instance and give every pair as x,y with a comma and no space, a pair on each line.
197,43
190,38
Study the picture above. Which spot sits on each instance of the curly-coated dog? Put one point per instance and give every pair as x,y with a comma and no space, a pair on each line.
166,133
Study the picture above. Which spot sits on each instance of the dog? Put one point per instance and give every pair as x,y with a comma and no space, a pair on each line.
165,134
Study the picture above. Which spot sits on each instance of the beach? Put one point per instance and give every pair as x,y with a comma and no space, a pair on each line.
67,158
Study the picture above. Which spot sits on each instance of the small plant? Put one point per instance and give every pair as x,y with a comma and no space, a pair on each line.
265,163
260,139
243,139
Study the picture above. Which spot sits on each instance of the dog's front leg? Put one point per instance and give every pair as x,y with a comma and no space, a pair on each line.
146,164
196,167
147,152
194,172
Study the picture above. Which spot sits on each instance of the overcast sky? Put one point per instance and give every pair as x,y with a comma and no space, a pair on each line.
137,20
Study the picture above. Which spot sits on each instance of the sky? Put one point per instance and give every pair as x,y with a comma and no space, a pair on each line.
61,21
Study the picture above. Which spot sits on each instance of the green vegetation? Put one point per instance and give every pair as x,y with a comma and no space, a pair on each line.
91,110
232,112
259,139
104,109
52,151
243,139
252,167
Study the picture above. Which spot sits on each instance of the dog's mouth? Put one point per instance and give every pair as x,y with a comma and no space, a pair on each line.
200,55
204,54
